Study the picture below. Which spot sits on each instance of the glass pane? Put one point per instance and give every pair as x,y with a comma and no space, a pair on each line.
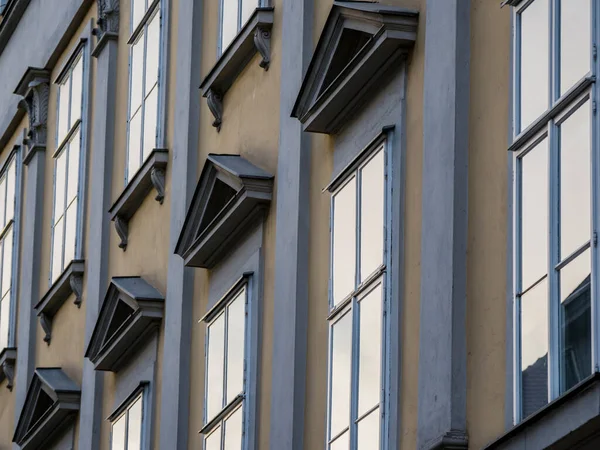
4,321
139,8
137,73
213,441
575,41
134,432
341,443
534,214
368,432
248,7
216,354
133,162
71,232
152,52
76,91
60,185
534,348
57,249
2,201
73,178
150,122
534,61
7,262
230,22
575,321
341,336
118,434
575,185
371,216
344,241
63,111
235,346
369,374
11,184
233,431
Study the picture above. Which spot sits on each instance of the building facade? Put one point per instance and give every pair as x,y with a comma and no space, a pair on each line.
299,224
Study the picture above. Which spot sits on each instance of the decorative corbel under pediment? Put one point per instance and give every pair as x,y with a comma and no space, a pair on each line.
107,23
8,359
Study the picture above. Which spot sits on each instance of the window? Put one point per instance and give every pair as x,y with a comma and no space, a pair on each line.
357,305
65,222
143,83
226,373
234,14
126,433
8,200
555,243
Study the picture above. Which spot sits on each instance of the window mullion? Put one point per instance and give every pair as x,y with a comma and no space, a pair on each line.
143,81
354,373
66,154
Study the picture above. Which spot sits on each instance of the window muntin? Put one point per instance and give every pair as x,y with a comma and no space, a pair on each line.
8,199
357,305
234,14
226,374
65,217
144,83
126,432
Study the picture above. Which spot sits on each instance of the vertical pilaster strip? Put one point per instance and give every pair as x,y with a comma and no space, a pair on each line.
101,156
174,410
291,242
443,350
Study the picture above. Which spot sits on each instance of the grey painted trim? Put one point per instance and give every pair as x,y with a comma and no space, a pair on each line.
163,75
291,237
12,14
442,337
175,386
17,232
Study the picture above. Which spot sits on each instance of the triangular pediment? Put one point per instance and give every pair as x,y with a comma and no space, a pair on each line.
132,308
51,404
229,193
360,42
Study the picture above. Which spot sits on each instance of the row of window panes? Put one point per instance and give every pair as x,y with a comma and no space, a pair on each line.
234,14
7,211
127,429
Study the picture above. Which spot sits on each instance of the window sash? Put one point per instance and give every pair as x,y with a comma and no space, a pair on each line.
125,442
244,9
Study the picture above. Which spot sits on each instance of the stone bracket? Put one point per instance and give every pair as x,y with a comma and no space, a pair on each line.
262,42
215,105
122,227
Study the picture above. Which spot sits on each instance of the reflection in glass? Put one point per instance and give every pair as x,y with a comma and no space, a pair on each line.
4,321
534,348
229,26
233,431
73,175
133,163
341,443
150,112
3,219
10,193
248,7
213,440
134,430
152,52
575,322
77,81
534,61
575,41
137,68
534,214
575,185
216,355
371,216
63,110
6,262
368,432
57,249
341,334
369,372
70,232
60,184
344,241
235,347
139,8
118,434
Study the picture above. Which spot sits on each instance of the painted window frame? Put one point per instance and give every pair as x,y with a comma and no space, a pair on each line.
210,424
141,393
137,31
240,23
380,277
81,126
14,225
547,127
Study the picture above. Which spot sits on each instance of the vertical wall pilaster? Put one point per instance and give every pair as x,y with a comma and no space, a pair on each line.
442,347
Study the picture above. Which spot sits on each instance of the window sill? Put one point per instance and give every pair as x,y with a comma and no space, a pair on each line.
8,359
150,175
254,37
70,282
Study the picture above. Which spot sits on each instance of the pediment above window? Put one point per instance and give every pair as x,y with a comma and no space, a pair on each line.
51,405
231,193
131,311
360,42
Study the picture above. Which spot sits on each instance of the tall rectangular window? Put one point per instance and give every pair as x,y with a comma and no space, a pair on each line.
8,200
357,304
226,373
143,83
126,430
65,222
234,14
554,196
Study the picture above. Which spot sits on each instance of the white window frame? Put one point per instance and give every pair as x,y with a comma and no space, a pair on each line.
81,52
380,277
546,126
240,23
137,31
142,393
